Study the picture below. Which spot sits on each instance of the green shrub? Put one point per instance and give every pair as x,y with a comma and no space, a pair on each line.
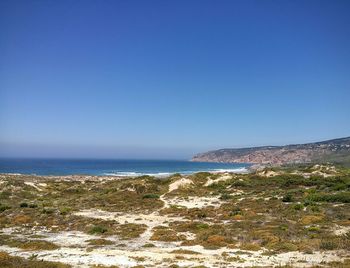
328,245
283,247
314,229
225,196
153,196
308,202
48,210
148,245
64,210
202,226
5,194
298,206
4,207
283,227
23,205
98,230
217,186
343,197
287,198
240,184
38,245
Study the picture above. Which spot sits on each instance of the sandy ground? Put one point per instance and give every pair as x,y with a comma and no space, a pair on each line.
74,251
159,256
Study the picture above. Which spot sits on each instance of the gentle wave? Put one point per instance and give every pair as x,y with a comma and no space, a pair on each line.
136,174
165,174
233,170
129,168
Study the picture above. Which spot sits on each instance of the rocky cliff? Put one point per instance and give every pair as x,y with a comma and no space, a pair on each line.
336,151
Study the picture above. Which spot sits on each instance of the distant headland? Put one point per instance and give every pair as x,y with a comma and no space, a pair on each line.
334,151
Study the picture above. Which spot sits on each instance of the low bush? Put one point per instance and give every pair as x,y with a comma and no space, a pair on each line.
153,196
328,245
48,210
225,196
23,205
330,198
4,207
287,198
148,245
9,261
97,229
298,207
38,245
283,247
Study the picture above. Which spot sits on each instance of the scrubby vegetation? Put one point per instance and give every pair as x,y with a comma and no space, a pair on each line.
293,210
7,261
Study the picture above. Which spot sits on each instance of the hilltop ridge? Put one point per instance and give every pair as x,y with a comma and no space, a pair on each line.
335,151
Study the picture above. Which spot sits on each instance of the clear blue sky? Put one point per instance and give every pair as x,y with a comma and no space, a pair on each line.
135,79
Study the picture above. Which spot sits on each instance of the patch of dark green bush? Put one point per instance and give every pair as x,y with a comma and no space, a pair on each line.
5,194
148,245
298,206
98,230
287,198
328,245
152,196
23,205
4,207
202,226
343,197
48,210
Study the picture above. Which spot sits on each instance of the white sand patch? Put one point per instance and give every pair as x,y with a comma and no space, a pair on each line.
123,218
237,192
76,257
340,230
33,185
179,183
157,257
188,235
194,202
191,201
131,189
268,173
73,251
63,239
319,170
221,178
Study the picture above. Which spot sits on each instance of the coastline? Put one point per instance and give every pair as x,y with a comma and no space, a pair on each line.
115,168
82,177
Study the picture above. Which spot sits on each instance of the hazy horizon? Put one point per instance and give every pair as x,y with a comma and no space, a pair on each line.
166,80
112,152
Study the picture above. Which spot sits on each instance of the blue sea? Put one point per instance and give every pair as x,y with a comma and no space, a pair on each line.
113,167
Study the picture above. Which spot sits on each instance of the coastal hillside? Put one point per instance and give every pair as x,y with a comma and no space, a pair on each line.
334,151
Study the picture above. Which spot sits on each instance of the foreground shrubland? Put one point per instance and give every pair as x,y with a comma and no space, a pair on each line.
296,216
